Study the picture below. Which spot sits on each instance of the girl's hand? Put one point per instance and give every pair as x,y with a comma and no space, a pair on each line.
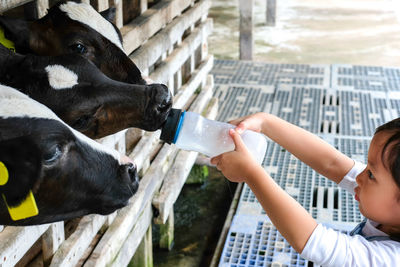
252,122
238,164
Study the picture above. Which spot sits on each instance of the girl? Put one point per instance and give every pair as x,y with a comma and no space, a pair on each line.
376,186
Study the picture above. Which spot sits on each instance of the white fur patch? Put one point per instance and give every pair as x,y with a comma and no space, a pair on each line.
61,77
86,14
16,104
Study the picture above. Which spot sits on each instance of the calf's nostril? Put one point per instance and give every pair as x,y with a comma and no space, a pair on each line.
132,171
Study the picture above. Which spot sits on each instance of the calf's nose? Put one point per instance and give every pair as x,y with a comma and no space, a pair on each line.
132,172
161,99
129,173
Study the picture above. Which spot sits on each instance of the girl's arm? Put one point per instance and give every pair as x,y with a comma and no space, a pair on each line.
289,217
307,147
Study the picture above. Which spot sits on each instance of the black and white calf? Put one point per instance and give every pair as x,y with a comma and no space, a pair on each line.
69,174
82,96
75,28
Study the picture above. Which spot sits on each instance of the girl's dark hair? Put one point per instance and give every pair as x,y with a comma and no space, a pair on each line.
393,147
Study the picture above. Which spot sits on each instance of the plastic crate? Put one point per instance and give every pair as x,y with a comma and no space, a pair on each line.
254,241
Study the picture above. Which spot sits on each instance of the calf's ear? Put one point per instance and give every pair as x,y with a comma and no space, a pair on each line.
17,31
22,159
109,14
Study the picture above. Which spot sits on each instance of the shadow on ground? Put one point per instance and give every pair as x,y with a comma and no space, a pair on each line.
200,213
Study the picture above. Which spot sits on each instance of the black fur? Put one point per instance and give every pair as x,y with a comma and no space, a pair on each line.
97,105
79,181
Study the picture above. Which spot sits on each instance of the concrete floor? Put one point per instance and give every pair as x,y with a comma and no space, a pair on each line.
361,32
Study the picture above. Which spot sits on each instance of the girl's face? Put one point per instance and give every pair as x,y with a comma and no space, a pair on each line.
377,193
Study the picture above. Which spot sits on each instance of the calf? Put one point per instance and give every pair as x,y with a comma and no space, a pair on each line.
82,96
75,28
68,174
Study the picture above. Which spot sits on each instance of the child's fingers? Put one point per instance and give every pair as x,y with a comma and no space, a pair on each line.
237,140
215,160
241,127
236,121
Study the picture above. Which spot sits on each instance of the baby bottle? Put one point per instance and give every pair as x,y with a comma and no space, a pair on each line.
190,131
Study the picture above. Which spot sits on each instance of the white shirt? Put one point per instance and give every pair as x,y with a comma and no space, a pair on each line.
328,247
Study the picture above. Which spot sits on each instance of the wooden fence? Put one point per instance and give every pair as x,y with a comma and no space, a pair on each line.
167,39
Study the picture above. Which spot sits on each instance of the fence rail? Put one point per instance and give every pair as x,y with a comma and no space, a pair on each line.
167,39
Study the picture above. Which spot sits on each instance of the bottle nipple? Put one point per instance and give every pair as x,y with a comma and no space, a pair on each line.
171,125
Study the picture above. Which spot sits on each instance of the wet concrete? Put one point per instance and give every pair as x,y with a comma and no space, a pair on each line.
314,31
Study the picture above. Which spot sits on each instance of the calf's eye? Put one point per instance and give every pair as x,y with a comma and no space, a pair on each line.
52,154
78,48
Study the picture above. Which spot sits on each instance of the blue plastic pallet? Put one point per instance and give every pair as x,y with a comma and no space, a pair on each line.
366,78
317,194
254,241
259,73
343,104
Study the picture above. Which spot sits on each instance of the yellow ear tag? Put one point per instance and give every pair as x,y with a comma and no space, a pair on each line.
4,41
3,174
27,208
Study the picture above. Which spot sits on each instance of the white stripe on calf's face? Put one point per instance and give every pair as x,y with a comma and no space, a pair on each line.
86,14
61,77
16,104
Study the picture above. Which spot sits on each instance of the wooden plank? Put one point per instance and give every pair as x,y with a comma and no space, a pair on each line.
246,29
227,225
177,175
143,6
99,5
116,234
41,7
148,142
167,232
36,9
131,9
271,12
126,253
112,140
148,53
194,82
34,252
52,240
110,243
72,249
10,4
16,241
141,232
119,20
175,61
150,22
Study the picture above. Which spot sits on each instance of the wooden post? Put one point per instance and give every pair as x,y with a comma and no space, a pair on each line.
143,6
144,253
52,240
36,9
271,12
119,14
246,29
167,232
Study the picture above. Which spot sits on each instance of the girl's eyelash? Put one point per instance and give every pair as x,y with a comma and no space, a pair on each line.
370,175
